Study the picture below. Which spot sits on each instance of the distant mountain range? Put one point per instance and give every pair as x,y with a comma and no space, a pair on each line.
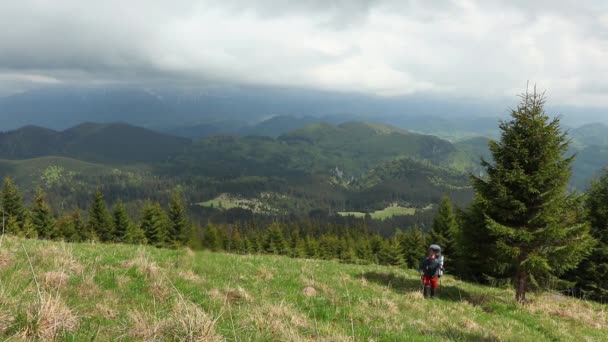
93,142
203,112
350,166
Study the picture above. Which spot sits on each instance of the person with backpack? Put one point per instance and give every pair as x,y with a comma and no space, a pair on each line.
431,269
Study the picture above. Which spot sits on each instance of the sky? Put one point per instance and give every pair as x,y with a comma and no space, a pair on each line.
471,49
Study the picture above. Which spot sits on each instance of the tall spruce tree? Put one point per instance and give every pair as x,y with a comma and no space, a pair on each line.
154,224
444,228
211,238
135,235
42,217
390,253
66,229
414,247
275,240
82,232
100,220
179,227
121,221
527,203
476,258
12,205
592,274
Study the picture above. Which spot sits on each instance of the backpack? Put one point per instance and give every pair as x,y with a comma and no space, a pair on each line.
440,258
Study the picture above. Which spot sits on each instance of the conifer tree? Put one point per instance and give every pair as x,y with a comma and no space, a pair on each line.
12,205
592,274
154,224
135,235
444,227
236,242
179,227
82,232
12,227
42,218
414,247
363,251
121,222
65,228
211,239
527,204
28,230
390,253
100,221
275,241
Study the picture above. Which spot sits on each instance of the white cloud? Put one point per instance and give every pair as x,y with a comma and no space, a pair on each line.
461,48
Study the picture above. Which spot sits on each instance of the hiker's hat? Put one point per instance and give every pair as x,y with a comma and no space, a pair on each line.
435,248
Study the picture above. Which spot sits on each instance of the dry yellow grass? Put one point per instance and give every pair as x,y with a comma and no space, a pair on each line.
191,276
309,291
281,321
188,322
185,322
569,308
6,321
60,257
144,326
264,274
88,288
55,279
6,259
231,296
143,265
47,318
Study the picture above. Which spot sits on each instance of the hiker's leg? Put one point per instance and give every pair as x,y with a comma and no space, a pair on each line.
427,286
434,282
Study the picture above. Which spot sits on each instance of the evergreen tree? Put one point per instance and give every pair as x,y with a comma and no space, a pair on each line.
12,205
275,241
476,258
100,221
390,253
154,224
363,251
236,242
28,230
444,227
121,221
179,227
12,227
82,232
66,230
211,239
414,247
135,235
42,218
592,274
527,205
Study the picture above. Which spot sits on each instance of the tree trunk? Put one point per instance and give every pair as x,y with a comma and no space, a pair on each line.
521,282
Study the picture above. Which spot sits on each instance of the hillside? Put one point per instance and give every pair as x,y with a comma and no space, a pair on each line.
92,142
104,292
590,134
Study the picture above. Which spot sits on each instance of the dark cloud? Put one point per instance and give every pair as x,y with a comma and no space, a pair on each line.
463,48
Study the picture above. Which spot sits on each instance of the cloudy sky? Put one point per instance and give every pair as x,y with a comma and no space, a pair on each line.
457,48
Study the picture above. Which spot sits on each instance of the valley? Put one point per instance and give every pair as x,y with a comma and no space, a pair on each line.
351,168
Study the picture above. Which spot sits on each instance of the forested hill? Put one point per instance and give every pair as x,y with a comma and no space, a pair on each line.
350,168
114,142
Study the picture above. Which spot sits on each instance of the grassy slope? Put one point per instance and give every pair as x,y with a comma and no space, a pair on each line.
383,214
117,291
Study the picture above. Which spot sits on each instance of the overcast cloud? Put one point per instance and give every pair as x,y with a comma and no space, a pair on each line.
458,48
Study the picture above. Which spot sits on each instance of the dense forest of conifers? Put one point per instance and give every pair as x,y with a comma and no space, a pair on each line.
523,228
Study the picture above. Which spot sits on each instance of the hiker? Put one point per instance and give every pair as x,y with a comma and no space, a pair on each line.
431,269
